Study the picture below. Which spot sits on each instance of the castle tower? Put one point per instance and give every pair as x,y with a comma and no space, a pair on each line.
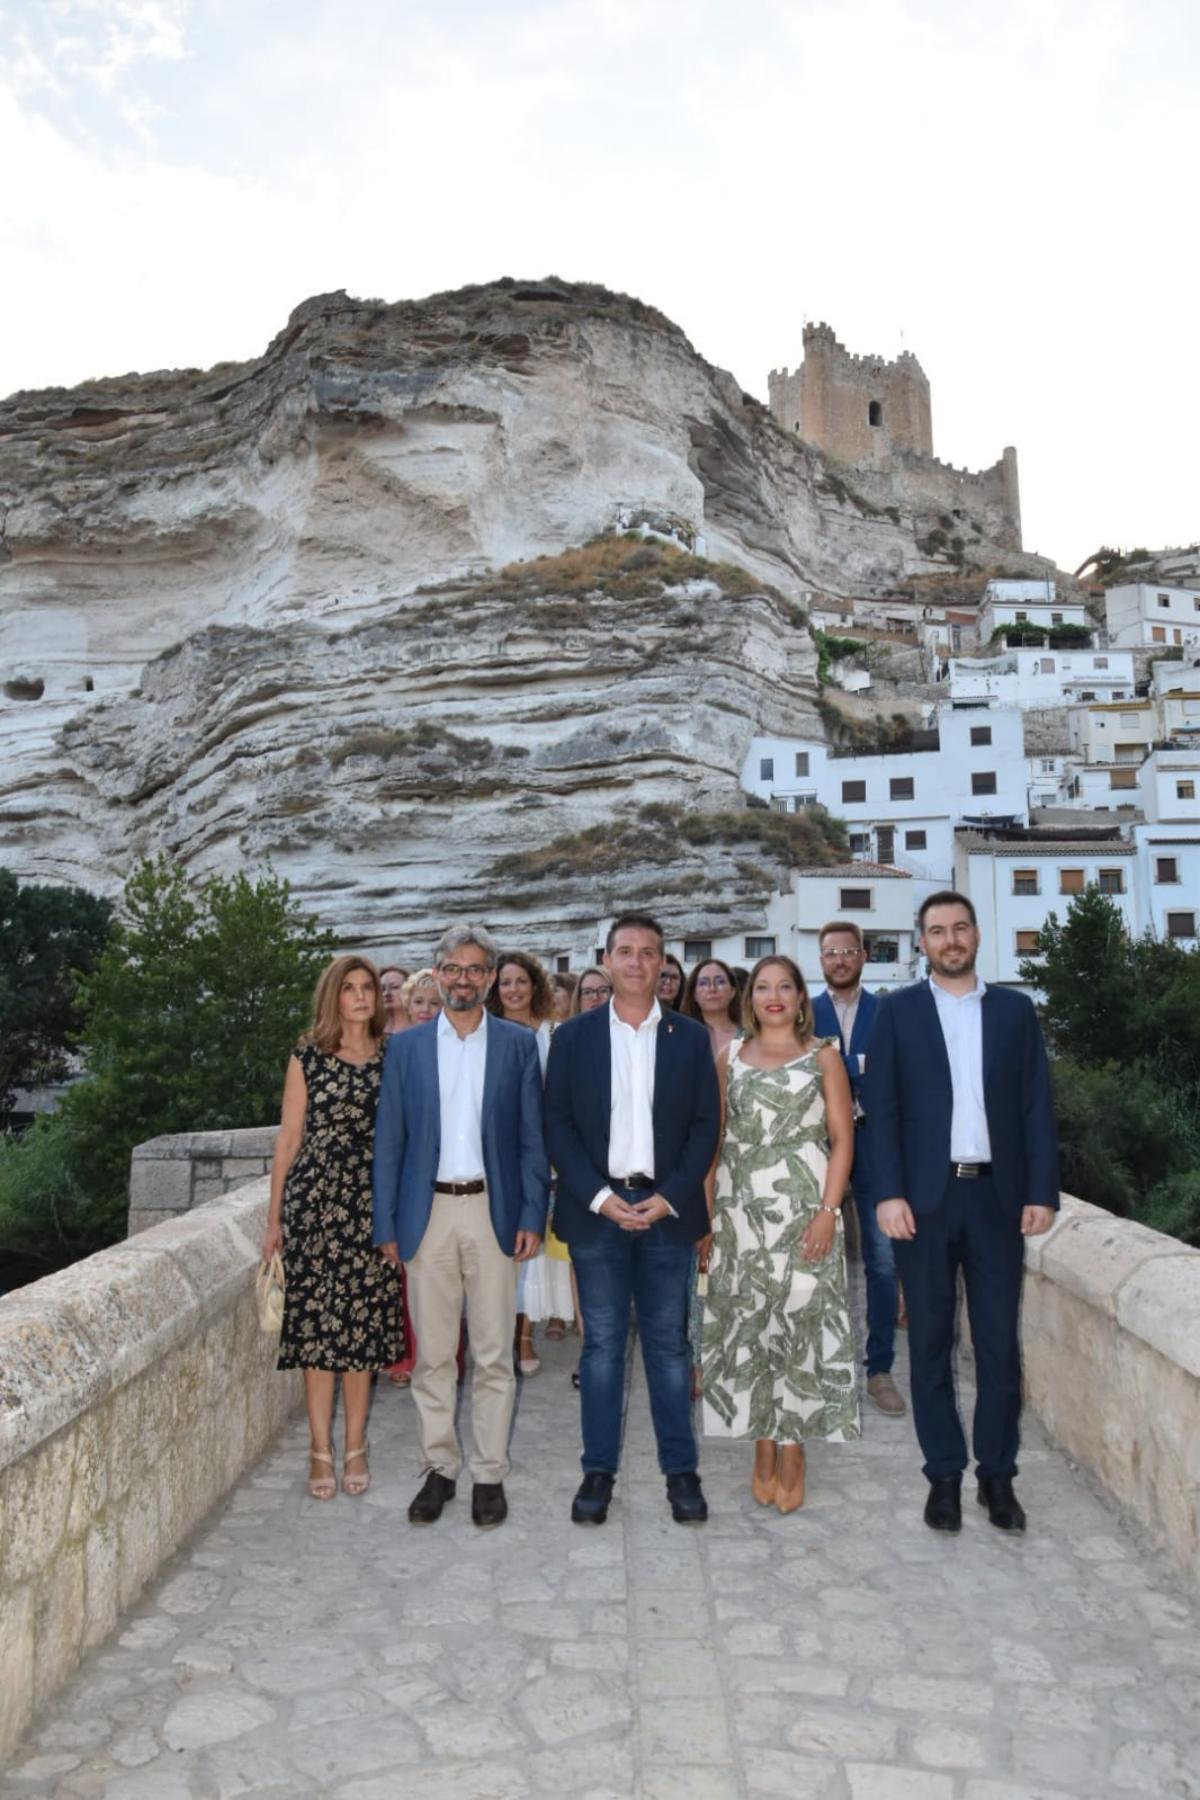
858,408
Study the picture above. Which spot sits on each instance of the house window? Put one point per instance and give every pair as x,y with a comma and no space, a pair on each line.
1177,636
860,842
1047,765
981,734
853,790
875,412
854,900
697,950
1021,617
1046,664
766,768
1128,719
880,947
914,840
1056,618
759,946
1026,881
1181,924
1111,881
1166,869
983,781
1070,881
900,787
1027,943
1122,778
802,762
1185,790
1196,604
1158,634
1164,599
1099,662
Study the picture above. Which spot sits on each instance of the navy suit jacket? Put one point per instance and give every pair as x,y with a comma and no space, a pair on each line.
908,1098
825,1024
408,1136
686,1113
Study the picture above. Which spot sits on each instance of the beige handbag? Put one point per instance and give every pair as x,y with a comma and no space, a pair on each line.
268,1285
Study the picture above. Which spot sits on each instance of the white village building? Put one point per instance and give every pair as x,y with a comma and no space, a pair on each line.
1146,613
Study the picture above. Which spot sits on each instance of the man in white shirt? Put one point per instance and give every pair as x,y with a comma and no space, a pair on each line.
632,1119
461,1192
962,1167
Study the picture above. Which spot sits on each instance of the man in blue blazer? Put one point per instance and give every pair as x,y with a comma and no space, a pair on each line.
847,1011
462,1186
632,1120
963,1167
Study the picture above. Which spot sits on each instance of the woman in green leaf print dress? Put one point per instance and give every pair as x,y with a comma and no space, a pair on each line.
778,1345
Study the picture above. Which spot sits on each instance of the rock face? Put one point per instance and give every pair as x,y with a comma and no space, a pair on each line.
247,613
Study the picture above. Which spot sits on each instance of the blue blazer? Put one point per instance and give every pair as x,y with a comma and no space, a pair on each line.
825,1024
408,1136
908,1098
686,1113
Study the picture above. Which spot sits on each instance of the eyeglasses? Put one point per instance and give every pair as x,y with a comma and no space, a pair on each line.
712,981
838,955
595,993
472,971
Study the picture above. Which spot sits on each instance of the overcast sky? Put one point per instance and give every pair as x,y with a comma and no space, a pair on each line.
1008,188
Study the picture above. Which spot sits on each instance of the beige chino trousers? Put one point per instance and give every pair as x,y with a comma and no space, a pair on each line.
459,1256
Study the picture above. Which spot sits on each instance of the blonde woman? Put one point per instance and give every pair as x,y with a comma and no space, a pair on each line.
419,997
778,1346
341,1311
594,989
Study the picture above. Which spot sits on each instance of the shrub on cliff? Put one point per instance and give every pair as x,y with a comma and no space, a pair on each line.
50,937
189,1017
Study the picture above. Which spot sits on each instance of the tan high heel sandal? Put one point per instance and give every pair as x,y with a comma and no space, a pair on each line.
354,1485
764,1488
787,1499
321,1487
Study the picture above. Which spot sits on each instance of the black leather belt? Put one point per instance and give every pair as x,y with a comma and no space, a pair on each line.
459,1187
969,1171
638,1180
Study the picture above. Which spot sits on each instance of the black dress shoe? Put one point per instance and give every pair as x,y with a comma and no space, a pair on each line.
429,1502
590,1505
688,1505
488,1505
943,1509
1004,1509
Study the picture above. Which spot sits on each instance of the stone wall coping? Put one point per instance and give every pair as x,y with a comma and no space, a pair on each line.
186,1146
68,1340
1148,1283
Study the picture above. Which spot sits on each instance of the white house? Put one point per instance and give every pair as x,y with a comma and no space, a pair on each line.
1169,843
1123,732
901,807
1179,713
1031,678
1016,882
1026,603
1177,677
1144,612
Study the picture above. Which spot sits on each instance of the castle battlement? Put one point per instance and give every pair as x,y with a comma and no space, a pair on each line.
822,336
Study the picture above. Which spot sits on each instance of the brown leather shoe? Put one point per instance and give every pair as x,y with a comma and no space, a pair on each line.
883,1393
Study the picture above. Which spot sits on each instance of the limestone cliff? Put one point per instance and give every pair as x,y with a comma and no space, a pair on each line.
248,612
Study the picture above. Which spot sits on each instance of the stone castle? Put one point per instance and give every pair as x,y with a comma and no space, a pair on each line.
876,416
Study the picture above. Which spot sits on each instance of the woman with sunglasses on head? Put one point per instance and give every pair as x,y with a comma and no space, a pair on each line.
778,1345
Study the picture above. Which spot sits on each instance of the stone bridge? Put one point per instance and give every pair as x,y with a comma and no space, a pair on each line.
177,1619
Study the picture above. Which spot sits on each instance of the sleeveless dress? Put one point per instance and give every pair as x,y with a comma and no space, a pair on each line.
778,1348
341,1307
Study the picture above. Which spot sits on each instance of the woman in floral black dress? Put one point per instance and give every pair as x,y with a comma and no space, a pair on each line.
341,1310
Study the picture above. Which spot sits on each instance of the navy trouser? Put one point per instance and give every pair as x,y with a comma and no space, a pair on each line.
968,1230
879,1267
613,1269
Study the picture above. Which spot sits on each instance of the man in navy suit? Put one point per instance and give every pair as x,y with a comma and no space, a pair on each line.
462,1186
963,1168
632,1120
847,1011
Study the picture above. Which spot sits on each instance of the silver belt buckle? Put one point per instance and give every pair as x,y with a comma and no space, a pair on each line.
967,1171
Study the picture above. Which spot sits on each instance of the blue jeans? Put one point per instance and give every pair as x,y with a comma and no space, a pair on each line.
612,1270
879,1267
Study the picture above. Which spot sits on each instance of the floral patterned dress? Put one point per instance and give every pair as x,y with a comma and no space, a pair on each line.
777,1345
341,1305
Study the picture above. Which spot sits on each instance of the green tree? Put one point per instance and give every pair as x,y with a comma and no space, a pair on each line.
49,938
1084,970
189,1017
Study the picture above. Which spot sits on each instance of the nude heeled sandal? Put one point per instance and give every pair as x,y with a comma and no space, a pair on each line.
354,1485
321,1487
787,1499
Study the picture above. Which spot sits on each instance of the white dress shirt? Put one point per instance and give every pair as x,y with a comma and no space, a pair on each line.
631,1122
961,1019
461,1063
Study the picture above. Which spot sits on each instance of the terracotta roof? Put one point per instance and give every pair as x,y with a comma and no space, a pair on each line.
844,871
1033,848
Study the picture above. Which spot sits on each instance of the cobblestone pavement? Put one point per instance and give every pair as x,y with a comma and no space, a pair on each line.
845,1652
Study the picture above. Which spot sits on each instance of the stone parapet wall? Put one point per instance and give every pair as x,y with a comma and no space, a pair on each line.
135,1389
171,1175
1110,1331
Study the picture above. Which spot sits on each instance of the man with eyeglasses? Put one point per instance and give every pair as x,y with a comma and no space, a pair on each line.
462,1187
846,1010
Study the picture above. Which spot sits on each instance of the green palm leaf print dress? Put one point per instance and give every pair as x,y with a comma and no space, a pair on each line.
778,1347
